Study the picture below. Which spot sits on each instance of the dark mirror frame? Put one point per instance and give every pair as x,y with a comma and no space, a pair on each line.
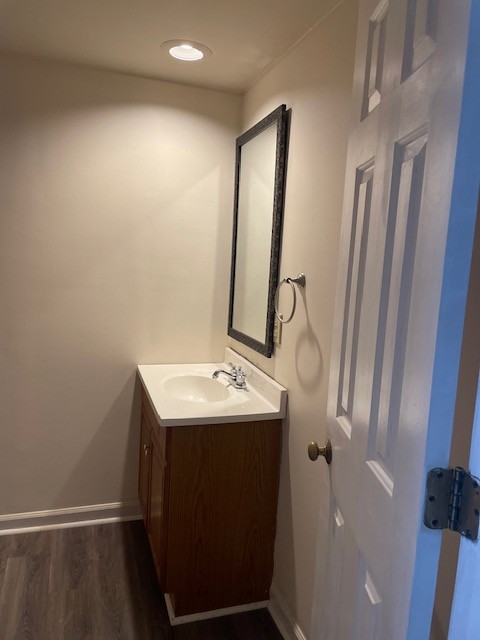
280,117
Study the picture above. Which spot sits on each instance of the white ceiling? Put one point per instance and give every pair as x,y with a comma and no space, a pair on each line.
246,36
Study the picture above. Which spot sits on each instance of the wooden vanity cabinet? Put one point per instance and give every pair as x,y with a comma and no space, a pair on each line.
209,500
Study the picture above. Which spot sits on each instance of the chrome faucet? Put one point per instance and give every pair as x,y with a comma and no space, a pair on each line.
236,375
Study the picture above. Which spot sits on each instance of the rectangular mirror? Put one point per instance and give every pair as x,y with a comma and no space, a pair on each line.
257,225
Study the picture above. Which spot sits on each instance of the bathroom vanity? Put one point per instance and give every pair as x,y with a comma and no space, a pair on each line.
208,485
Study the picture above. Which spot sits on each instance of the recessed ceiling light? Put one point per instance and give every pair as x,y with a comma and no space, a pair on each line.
186,50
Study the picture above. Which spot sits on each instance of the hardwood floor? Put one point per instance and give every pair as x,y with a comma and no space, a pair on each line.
98,583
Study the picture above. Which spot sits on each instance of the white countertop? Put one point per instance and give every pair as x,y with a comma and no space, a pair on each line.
265,399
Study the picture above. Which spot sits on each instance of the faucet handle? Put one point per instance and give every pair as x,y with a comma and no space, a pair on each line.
233,367
241,377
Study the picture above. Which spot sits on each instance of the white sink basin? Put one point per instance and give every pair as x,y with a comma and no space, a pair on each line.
185,394
196,388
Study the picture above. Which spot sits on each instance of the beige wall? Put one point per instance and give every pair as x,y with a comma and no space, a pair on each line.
115,218
315,80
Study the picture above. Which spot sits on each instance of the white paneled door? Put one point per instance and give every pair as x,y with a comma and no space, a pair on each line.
407,232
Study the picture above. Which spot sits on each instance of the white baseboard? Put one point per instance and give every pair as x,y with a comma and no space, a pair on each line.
208,615
69,517
282,617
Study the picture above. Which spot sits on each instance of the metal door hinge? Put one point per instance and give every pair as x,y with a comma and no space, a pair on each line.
453,501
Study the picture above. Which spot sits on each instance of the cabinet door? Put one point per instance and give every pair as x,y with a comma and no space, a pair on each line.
223,482
156,523
144,468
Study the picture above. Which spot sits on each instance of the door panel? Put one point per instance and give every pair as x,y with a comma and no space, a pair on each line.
346,556
372,90
353,292
394,307
369,607
420,34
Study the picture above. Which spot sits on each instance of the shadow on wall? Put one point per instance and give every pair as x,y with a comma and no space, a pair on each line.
92,471
308,355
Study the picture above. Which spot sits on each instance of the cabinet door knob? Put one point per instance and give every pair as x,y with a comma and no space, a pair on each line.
146,449
326,451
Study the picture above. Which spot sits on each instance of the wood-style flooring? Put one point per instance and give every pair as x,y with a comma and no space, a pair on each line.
98,583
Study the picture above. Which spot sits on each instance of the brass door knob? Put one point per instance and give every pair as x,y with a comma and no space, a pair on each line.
314,451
